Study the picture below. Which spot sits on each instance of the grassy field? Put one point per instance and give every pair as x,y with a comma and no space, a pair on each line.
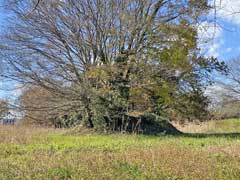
207,151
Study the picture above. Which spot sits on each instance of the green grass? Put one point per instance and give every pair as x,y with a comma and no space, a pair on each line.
229,125
28,153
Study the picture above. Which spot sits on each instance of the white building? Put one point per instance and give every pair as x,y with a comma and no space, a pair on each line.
8,119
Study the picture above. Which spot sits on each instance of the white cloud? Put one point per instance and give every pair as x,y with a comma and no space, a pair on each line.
229,50
209,39
17,90
208,31
210,34
211,90
228,10
214,93
213,50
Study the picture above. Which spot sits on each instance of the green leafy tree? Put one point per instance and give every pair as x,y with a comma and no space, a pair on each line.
112,61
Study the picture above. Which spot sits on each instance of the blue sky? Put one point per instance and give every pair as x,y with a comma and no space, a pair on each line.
3,16
8,90
225,43
223,37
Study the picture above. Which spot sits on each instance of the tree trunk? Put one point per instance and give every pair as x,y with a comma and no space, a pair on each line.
90,122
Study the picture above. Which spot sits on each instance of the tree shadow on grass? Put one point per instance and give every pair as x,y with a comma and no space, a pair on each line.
164,127
207,135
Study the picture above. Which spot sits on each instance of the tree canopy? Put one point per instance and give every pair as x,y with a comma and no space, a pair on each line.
112,61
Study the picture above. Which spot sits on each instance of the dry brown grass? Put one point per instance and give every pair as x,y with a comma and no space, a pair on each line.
202,127
40,153
214,126
153,163
23,134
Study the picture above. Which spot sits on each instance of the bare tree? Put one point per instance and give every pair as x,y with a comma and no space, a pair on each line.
230,83
74,48
225,93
